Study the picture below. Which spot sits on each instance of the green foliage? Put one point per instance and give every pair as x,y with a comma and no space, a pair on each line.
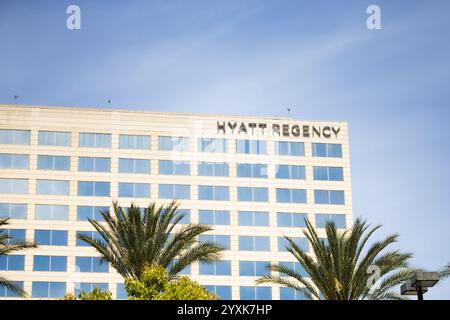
343,268
95,294
445,272
155,284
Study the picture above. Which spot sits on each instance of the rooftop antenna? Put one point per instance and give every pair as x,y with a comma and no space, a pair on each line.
289,111
109,101
16,97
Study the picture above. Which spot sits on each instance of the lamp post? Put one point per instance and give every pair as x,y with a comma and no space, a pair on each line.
419,284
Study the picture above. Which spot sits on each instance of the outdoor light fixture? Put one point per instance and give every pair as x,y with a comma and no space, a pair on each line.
419,284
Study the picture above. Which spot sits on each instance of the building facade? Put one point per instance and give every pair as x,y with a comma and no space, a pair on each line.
254,179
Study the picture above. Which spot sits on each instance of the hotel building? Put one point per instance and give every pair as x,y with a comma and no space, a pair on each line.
254,179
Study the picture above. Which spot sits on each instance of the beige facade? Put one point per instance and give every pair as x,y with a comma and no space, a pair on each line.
156,124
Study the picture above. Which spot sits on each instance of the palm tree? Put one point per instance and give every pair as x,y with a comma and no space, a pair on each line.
6,247
343,269
445,272
133,238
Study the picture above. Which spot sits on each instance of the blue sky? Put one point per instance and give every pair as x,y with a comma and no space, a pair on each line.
258,57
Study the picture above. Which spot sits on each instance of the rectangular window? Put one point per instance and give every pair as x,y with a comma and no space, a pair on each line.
91,264
12,262
14,235
219,268
218,193
290,172
50,263
48,289
253,268
291,220
8,293
88,287
292,294
95,140
251,147
250,170
285,148
52,187
91,212
127,141
174,191
254,243
14,136
54,138
13,186
134,190
13,210
329,197
328,173
223,292
332,150
220,240
253,218
52,212
255,293
121,293
291,195
213,169
180,144
294,266
300,242
46,162
134,165
93,188
253,194
212,145
91,164
174,167
14,161
50,237
338,219
94,235
214,217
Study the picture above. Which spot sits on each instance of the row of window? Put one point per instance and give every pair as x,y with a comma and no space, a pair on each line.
166,143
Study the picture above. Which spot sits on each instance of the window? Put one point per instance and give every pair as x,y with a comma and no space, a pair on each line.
253,194
50,263
53,163
48,289
285,148
290,172
95,140
14,136
338,219
14,161
12,262
223,292
122,294
93,188
214,217
134,166
253,268
127,141
219,193
291,220
13,210
248,170
90,212
134,190
88,287
174,144
174,167
252,243
251,147
14,235
8,293
292,294
219,268
91,164
174,191
255,293
53,187
291,195
213,169
212,145
300,242
295,266
54,138
91,264
329,197
52,212
253,218
50,237
14,186
94,235
328,173
332,150
186,213
219,240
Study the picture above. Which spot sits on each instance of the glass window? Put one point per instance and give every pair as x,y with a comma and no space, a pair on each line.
251,147
88,287
212,145
14,136
91,264
329,197
54,138
12,262
253,194
122,294
134,190
50,237
13,210
219,268
219,193
328,173
52,212
174,167
173,144
91,212
94,235
249,170
13,186
95,140
292,294
327,150
174,191
48,289
46,162
285,148
291,220
290,172
134,165
220,240
214,217
127,141
53,187
93,188
295,266
291,195
223,292
14,161
96,164
255,293
253,268
252,243
302,243
338,219
14,235
213,169
8,293
253,218
50,263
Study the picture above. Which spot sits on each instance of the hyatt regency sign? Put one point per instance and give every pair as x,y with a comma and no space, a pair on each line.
285,130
